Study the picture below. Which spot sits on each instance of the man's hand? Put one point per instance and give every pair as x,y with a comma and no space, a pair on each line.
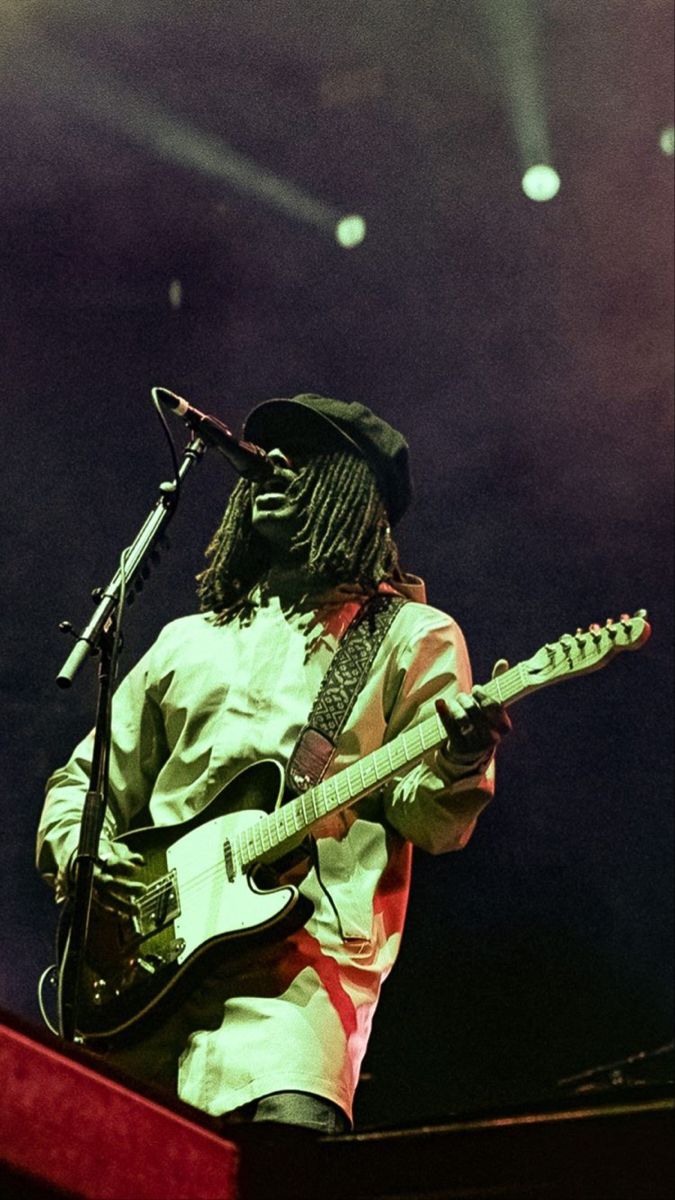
475,725
117,881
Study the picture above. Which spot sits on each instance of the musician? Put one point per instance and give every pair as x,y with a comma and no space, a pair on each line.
279,1031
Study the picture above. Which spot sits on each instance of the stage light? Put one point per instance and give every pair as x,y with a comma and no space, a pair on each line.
350,230
541,182
175,294
667,141
517,30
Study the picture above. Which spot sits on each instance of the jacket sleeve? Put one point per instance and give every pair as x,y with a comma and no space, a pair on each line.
138,750
427,806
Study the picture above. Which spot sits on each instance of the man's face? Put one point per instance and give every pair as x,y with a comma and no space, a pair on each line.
275,517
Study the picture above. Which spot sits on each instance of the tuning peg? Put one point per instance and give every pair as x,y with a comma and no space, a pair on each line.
610,627
566,643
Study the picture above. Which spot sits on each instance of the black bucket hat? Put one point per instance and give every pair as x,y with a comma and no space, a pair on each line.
347,424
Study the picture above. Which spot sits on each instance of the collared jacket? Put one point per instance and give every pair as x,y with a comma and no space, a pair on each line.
207,700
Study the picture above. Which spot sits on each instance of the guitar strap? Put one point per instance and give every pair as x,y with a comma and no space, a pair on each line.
341,684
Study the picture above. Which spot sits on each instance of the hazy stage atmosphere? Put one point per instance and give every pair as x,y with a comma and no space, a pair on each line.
174,185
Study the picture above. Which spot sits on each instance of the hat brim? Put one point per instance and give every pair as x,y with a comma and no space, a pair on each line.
277,421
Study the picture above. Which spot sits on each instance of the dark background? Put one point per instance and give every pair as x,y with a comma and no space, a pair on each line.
526,351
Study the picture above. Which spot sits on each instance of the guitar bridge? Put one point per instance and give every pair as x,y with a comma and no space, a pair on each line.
158,906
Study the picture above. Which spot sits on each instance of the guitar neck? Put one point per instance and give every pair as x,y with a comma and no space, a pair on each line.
574,654
354,782
289,824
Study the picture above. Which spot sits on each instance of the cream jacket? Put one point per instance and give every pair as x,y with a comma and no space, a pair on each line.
207,700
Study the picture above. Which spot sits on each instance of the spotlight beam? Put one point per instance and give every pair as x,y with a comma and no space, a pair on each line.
143,122
514,28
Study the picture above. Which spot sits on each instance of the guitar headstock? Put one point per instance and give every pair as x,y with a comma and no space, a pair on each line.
587,650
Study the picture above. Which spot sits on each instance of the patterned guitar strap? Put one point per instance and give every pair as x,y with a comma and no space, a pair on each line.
348,671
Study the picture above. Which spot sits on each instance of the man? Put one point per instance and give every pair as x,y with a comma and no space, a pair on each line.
280,1031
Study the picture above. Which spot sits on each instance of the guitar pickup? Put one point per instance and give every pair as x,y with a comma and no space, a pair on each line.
229,861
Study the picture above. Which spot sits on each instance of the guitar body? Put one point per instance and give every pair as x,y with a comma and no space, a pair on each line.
196,901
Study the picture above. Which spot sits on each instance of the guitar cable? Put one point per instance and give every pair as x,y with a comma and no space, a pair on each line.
48,976
314,855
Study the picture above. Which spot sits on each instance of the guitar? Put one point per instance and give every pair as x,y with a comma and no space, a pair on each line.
206,878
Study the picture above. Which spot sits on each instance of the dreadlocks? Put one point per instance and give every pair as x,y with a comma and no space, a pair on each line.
345,536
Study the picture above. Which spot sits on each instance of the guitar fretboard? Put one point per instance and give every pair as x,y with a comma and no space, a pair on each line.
288,824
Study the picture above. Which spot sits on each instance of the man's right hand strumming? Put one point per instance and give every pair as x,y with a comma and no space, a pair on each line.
117,881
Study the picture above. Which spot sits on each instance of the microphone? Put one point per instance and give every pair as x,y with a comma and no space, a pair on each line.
248,460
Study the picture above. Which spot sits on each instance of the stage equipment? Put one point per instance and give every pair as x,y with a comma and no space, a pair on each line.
66,1129
541,182
248,460
102,638
69,1130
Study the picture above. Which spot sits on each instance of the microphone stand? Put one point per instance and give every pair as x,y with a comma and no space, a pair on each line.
101,637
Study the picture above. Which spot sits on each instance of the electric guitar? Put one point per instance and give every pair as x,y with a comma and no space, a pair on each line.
208,878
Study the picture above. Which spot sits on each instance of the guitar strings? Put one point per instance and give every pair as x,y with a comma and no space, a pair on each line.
243,841
503,687
240,845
